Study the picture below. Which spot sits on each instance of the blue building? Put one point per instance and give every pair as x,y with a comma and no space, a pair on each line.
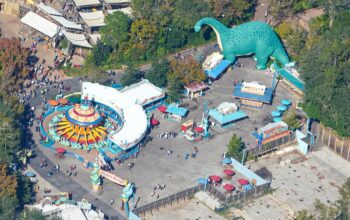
226,114
175,112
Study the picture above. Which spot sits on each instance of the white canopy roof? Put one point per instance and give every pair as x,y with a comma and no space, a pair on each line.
93,19
143,92
135,119
77,39
86,3
94,38
40,24
117,1
126,10
48,9
66,23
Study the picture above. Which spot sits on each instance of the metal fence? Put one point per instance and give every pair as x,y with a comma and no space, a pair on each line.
272,146
187,193
226,200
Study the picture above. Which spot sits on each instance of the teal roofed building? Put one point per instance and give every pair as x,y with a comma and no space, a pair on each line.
175,112
226,114
291,78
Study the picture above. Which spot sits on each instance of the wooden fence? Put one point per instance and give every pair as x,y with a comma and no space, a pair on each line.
226,200
327,137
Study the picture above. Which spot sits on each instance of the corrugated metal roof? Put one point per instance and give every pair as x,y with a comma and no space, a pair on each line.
86,3
266,98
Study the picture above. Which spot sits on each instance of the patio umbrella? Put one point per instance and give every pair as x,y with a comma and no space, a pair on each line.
227,160
229,187
60,150
52,102
276,119
154,121
202,180
199,129
162,108
276,113
229,172
286,102
215,178
282,108
243,181
30,174
63,101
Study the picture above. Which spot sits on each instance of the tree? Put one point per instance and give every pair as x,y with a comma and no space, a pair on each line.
8,183
33,214
326,72
13,61
131,76
175,87
291,119
189,70
8,205
334,7
235,147
158,73
100,53
142,34
10,139
25,192
116,31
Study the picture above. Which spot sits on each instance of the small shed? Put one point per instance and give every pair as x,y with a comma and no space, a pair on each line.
195,89
271,132
226,113
174,112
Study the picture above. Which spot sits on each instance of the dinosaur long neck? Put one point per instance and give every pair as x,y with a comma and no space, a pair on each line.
217,26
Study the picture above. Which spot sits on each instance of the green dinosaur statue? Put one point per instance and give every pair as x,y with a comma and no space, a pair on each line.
253,37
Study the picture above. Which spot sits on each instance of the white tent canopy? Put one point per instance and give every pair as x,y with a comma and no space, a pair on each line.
117,1
93,19
77,39
86,3
66,23
126,10
48,9
40,24
135,119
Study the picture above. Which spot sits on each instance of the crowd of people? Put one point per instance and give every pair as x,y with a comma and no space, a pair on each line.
166,135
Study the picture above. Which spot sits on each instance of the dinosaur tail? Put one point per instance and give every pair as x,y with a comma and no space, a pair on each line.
215,24
281,55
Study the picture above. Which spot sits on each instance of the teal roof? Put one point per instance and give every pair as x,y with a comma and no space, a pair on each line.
291,78
224,119
216,71
174,109
266,98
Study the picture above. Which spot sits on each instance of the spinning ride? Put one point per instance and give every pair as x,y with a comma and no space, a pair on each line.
82,124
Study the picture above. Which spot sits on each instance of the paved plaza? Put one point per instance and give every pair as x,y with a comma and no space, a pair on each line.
297,185
154,166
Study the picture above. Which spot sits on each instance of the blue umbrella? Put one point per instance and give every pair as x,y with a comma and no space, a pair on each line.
286,102
227,160
282,108
202,180
276,113
30,174
276,119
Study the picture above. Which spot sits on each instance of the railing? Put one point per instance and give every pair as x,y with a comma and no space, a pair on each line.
273,145
187,193
226,200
